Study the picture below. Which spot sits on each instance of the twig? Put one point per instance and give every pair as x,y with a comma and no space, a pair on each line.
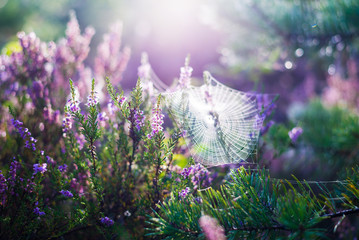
341,213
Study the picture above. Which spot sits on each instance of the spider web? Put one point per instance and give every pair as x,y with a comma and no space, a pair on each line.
221,125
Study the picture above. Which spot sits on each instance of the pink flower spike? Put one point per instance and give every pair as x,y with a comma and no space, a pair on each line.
295,133
211,228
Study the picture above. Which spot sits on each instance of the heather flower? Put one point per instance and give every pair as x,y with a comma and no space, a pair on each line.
107,221
62,168
184,192
3,189
110,61
198,174
139,119
75,184
121,100
40,54
39,168
198,200
186,172
50,160
102,117
38,212
185,76
111,107
66,122
50,115
37,91
80,139
265,104
18,125
30,145
66,193
211,228
156,121
75,48
74,102
265,128
144,70
295,133
4,63
14,166
25,134
92,99
30,185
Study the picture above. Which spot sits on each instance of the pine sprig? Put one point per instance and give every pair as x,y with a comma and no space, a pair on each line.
252,205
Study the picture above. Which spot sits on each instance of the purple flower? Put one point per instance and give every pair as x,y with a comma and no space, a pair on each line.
50,160
265,128
156,122
111,107
107,221
30,145
265,104
14,166
66,122
40,54
73,104
39,168
37,91
184,192
185,76
198,200
139,119
295,133
70,55
38,212
50,115
92,99
102,117
18,125
198,174
3,189
268,110
110,61
211,228
62,168
75,47
144,70
25,134
186,172
121,100
66,193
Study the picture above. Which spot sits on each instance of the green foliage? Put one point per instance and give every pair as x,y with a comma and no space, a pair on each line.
332,133
321,30
278,137
252,205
